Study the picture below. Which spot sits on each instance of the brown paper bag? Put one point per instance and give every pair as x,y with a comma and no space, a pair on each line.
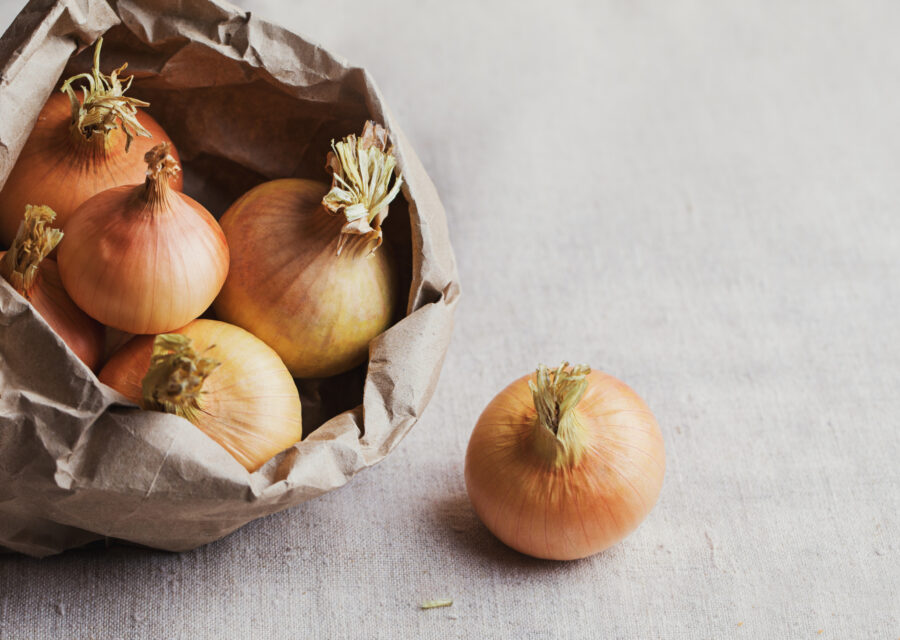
245,101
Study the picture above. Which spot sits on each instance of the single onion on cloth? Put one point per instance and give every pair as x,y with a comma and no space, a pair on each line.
315,286
80,146
219,377
144,258
35,276
564,463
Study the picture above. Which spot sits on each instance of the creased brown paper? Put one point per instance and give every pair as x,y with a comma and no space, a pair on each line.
245,101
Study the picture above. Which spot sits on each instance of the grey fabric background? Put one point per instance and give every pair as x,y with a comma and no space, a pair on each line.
699,198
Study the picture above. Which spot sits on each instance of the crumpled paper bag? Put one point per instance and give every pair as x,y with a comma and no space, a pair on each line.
245,101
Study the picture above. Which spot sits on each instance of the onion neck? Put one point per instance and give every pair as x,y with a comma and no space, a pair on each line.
103,106
161,167
361,190
558,434
174,382
35,239
95,145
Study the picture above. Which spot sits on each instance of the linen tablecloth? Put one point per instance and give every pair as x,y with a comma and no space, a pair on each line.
699,198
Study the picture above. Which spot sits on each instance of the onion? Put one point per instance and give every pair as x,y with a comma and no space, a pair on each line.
144,258
26,267
312,285
80,146
219,377
566,464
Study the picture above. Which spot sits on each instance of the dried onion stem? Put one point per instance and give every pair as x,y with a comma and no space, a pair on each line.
104,105
361,171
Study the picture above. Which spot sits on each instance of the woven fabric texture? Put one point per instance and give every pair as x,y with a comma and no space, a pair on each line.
699,198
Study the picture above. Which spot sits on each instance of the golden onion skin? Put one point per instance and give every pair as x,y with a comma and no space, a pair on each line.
287,285
62,170
559,511
143,267
249,405
84,335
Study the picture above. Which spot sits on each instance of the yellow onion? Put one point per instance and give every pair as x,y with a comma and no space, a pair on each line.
144,258
564,463
306,274
35,276
222,379
80,146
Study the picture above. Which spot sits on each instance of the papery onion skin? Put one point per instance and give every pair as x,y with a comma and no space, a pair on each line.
35,276
79,331
571,505
288,286
143,258
249,403
62,169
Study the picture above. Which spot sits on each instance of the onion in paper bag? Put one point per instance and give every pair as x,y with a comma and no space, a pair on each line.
316,287
36,277
220,378
144,258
